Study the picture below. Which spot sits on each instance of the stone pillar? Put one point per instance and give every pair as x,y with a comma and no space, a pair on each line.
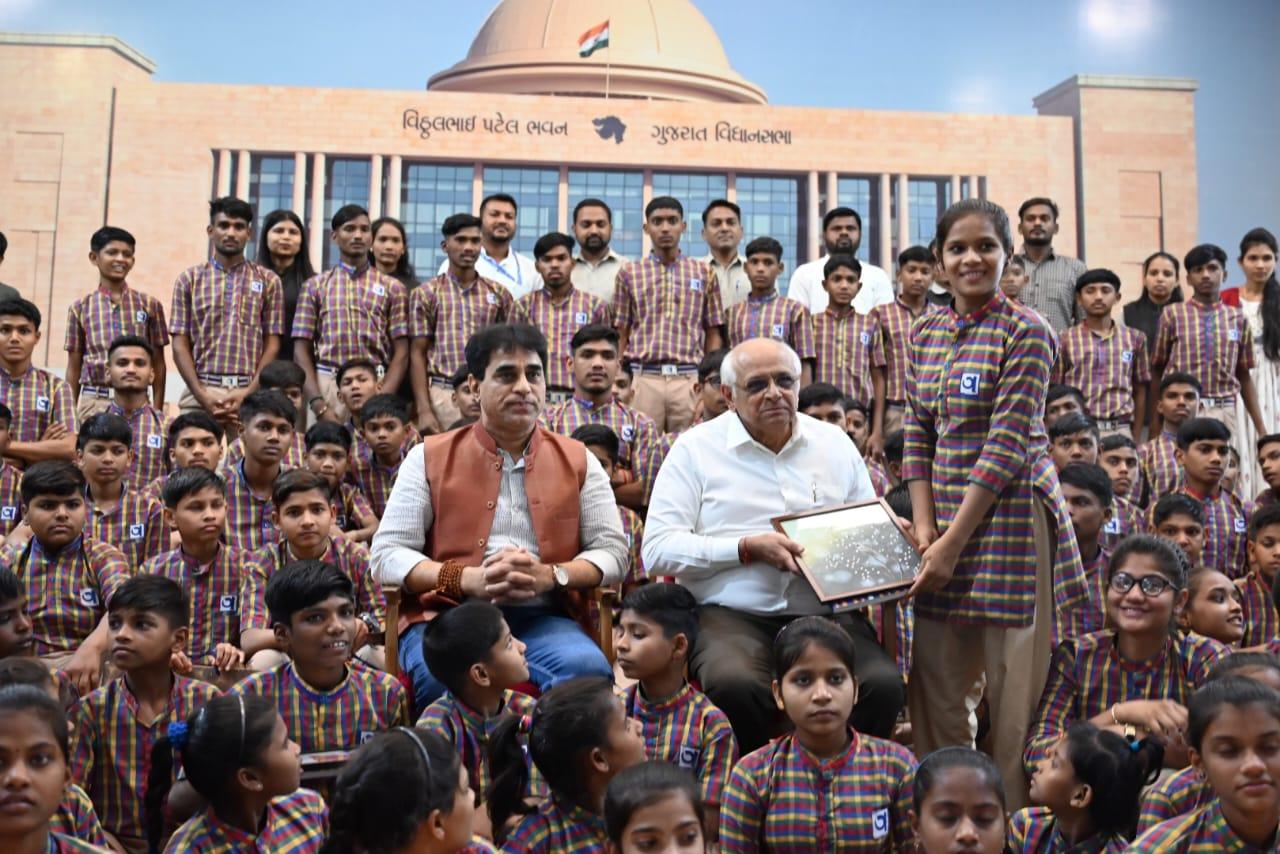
814,217
477,188
243,167
833,194
224,173
646,196
317,224
395,171
562,202
955,189
375,186
299,203
904,217
884,223
730,190
975,191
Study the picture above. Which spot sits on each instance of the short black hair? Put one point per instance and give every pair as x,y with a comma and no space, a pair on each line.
835,262
764,246
593,203
503,338
459,638
1038,200
457,222
671,606
1181,378
1201,255
1263,441
1202,429
267,402
1112,441
122,341
1169,559
1059,390
852,404
720,203
109,234
281,374
4,245
383,405
918,254
189,481
816,394
1264,517
104,427
711,363
11,587
196,419
551,240
598,436
1099,275
664,203
294,481
899,500
895,446
460,377
1091,477
346,214
153,594
1177,504
325,432
594,332
59,478
837,213
499,197
232,208
303,584
353,364
19,307
1076,422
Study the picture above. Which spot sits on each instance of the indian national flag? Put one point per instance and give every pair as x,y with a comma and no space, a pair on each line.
593,39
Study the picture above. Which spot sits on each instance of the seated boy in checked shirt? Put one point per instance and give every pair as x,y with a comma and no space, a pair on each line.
465,399
266,426
1118,456
287,378
850,353
1179,519
658,629
116,726
129,372
213,576
117,515
767,314
1105,360
1257,587
603,443
193,439
304,514
44,423
1086,490
1268,461
471,650
328,701
69,579
10,480
1073,439
1177,400
329,455
384,421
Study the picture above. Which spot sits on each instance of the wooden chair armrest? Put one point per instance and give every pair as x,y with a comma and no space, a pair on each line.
391,639
606,601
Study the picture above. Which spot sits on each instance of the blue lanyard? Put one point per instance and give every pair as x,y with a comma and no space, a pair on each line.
518,278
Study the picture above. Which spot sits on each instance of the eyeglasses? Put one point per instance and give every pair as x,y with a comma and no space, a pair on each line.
756,385
1151,585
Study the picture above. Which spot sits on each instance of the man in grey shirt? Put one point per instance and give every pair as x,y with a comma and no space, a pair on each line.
1052,289
464,520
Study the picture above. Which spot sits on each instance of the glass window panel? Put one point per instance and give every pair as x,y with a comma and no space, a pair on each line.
623,192
429,194
863,195
695,191
346,183
774,207
537,195
927,199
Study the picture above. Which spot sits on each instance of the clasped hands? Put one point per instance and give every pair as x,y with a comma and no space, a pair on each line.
509,576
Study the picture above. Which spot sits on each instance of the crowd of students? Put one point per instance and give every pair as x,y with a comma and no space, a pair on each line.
1097,586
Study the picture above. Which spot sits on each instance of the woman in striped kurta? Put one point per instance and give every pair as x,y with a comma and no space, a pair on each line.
998,549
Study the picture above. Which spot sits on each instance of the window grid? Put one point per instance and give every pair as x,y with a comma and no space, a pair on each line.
346,183
623,192
695,191
537,195
429,194
863,195
773,207
271,180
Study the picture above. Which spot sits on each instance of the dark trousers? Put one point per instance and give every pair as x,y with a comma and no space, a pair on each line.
733,662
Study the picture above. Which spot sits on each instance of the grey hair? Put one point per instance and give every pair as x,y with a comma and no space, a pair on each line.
729,367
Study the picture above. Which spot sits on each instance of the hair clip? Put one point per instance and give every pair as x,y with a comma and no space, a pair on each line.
177,734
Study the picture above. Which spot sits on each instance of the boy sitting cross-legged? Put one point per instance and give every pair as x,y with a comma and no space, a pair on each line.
681,726
117,514
329,455
116,726
328,701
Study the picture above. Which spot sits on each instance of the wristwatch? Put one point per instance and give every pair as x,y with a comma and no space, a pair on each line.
561,575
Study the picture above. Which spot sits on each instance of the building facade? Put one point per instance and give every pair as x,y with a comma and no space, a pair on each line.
89,137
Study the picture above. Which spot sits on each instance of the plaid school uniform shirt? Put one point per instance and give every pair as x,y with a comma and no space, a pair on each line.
294,824
350,313
447,313
667,309
1210,342
294,455
895,320
557,829
60,843
784,800
360,449
352,558
375,480
77,818
772,316
37,400
111,751
1095,572
135,526
97,319
10,498
1106,368
633,530
67,591
367,702
657,456
148,428
1126,518
216,591
1204,831
1261,621
469,732
1035,829
249,524
879,478
352,507
974,414
1087,677
690,732
559,321
1160,465
1179,794
636,431
1226,526
226,311
848,347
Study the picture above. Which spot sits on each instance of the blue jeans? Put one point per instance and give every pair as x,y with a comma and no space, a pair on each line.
557,649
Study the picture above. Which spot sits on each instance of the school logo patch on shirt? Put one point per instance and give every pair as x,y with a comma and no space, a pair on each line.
255,286
1112,526
227,604
137,532
865,338
140,316
8,514
779,331
491,299
366,736
1240,526
628,432
969,384
880,823
695,284
155,441
379,290
89,597
688,757
1233,334
1126,356
42,404
580,317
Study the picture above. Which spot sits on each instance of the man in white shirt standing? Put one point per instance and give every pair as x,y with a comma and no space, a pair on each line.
708,525
841,235
722,232
498,261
